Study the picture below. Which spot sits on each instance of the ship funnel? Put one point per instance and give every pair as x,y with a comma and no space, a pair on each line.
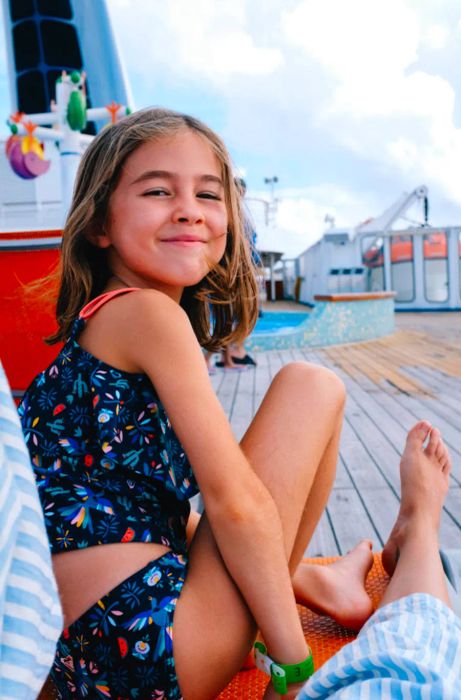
45,37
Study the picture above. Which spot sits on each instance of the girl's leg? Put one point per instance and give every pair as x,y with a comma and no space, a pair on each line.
314,586
292,445
411,555
408,649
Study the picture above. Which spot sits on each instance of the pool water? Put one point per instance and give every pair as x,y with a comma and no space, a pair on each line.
279,321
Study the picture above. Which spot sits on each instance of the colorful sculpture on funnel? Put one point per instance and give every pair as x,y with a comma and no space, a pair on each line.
25,153
67,118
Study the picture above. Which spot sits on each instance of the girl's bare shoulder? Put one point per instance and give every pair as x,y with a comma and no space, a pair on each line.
146,300
141,324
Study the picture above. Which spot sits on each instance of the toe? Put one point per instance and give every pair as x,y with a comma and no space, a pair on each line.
419,432
440,451
434,442
445,460
366,545
446,466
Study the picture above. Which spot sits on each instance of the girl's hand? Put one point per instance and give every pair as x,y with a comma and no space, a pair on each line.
293,690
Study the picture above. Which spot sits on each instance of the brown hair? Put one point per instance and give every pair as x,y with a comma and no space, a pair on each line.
230,286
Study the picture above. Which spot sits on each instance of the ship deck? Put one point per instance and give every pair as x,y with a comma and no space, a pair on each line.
391,383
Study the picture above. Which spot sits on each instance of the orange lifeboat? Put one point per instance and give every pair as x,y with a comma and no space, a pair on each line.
435,247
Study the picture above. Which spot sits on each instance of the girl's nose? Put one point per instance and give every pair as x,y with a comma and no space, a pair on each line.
188,211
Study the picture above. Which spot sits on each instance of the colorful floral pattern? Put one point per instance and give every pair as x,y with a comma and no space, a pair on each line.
108,464
122,647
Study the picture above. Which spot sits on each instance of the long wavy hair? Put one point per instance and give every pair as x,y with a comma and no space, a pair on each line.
223,307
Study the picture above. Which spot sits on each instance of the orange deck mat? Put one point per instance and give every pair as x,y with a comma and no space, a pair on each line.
324,636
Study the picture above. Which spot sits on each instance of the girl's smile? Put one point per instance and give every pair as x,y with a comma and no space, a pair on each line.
184,240
167,222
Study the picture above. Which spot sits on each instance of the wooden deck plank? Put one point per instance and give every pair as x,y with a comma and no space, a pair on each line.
342,479
431,411
447,390
367,396
409,344
420,405
323,540
242,411
453,505
227,392
216,379
382,507
407,410
261,380
376,487
416,350
343,361
409,413
390,383
382,453
373,367
446,414
275,361
416,356
349,519
361,466
398,379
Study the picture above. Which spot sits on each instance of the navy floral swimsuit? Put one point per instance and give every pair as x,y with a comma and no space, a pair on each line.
109,468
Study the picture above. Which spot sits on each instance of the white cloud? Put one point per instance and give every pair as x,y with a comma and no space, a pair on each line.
209,39
381,104
358,40
235,52
366,60
300,215
436,36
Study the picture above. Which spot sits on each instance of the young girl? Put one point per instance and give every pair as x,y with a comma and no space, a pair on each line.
124,427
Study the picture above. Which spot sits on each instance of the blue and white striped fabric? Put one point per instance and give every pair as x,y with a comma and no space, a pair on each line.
30,612
408,649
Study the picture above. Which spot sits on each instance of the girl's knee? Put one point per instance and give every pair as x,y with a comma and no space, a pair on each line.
313,380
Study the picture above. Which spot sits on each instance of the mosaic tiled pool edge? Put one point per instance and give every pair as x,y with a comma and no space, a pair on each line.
332,323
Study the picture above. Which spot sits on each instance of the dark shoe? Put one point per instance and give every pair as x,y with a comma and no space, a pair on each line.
247,360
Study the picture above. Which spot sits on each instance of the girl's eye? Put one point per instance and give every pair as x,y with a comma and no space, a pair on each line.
156,193
208,195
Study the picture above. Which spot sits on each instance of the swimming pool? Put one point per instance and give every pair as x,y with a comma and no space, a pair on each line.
279,322
328,323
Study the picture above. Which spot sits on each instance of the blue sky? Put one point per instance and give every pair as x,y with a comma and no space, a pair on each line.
348,103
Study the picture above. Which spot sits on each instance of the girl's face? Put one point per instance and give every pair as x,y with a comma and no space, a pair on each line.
167,219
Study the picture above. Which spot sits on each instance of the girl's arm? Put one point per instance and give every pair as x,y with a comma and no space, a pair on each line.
153,335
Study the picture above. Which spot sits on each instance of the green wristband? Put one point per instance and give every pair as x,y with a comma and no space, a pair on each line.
282,675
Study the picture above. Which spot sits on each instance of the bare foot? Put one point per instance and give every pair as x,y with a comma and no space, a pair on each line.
337,590
424,475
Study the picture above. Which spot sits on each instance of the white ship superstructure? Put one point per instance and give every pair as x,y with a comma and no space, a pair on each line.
420,263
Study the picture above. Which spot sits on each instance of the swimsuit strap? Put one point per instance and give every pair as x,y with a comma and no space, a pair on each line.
99,301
